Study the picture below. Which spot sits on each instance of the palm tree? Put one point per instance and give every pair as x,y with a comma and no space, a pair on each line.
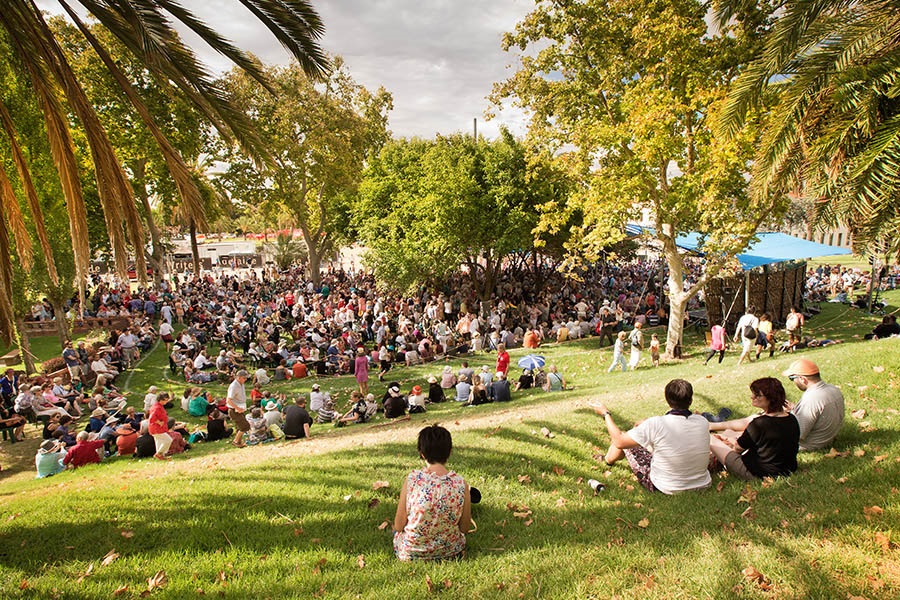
827,84
146,28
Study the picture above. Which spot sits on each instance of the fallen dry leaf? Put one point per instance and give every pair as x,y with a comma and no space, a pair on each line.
383,526
859,414
878,369
429,584
109,558
859,453
528,522
319,564
720,485
522,515
560,502
758,578
87,572
748,495
644,523
558,470
880,458
157,581
748,514
23,585
298,531
883,541
447,584
873,511
361,561
127,534
380,484
525,479
347,497
835,454
120,590
374,502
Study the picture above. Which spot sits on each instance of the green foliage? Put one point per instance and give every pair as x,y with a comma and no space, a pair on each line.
286,251
833,126
427,207
628,92
319,137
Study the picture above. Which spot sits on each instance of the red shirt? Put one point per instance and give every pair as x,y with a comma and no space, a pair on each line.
159,420
503,361
83,453
299,370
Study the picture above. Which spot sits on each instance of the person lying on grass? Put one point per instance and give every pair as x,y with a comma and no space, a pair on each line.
435,511
768,445
679,441
819,412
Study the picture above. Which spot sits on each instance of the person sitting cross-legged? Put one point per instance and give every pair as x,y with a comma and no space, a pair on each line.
679,441
768,445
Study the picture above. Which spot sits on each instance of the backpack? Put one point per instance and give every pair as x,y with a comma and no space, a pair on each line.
793,321
749,332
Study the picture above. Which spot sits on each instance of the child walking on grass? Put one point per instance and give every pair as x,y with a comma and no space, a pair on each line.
654,349
619,353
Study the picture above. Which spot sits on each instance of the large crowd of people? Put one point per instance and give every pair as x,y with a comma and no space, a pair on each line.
247,331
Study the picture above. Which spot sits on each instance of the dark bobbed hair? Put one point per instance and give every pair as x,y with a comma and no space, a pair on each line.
773,391
679,394
435,444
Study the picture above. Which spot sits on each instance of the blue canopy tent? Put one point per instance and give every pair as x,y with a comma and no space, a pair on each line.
770,248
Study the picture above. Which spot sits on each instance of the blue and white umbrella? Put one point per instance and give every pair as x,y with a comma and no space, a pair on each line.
531,361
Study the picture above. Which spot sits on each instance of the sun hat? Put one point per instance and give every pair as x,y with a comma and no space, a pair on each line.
315,387
98,412
803,367
432,379
416,390
271,406
111,420
48,446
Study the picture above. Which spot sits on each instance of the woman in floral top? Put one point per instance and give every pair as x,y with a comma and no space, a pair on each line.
434,512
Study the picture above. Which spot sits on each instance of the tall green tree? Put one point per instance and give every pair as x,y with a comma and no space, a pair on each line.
319,137
146,28
826,83
429,207
629,90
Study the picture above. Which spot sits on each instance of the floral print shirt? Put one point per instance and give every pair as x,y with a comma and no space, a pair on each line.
434,505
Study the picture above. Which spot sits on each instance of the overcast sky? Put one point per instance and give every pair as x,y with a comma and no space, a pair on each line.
439,58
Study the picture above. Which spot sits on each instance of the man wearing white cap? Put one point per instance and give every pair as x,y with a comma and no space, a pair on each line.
820,410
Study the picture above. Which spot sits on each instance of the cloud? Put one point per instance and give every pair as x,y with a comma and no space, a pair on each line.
439,58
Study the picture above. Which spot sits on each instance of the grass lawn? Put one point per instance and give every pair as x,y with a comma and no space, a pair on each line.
301,519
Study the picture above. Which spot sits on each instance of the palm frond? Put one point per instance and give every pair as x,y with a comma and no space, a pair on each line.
297,26
34,203
181,174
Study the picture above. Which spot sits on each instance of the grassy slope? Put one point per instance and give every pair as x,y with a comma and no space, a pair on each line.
292,520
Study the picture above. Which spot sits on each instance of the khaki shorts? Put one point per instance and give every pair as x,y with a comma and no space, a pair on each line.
239,420
734,464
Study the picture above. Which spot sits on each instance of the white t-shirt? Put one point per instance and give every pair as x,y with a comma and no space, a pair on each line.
680,448
820,413
316,401
237,397
745,320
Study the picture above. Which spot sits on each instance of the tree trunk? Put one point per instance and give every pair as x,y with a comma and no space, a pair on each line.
315,263
156,257
62,325
25,347
678,299
195,251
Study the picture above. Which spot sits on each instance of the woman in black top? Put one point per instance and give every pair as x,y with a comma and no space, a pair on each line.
768,446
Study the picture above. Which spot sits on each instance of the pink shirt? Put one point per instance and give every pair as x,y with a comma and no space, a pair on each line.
718,338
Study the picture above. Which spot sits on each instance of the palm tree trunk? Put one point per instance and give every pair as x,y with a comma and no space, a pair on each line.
139,168
195,251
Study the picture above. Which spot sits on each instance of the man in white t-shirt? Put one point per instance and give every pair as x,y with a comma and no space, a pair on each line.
747,324
668,453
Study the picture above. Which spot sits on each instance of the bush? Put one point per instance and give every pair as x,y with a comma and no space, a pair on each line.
54,364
